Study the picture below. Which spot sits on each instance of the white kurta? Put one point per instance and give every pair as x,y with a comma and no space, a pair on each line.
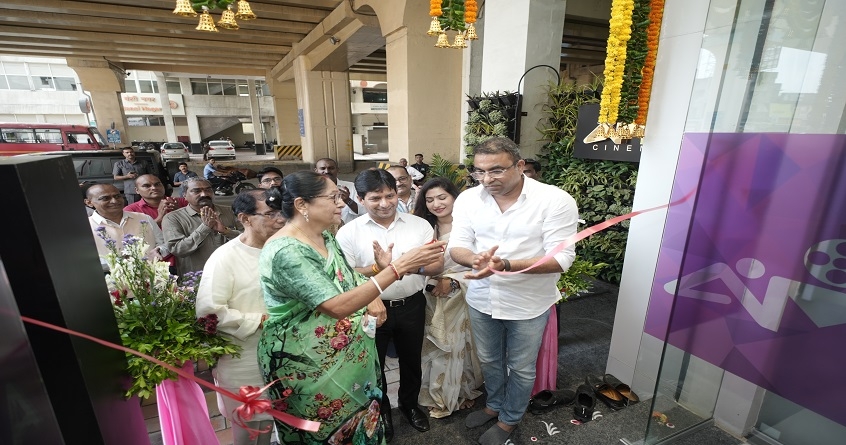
230,288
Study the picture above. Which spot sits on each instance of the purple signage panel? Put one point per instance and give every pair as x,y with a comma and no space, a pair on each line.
751,274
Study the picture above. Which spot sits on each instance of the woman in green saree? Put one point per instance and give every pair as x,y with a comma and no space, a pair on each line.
317,346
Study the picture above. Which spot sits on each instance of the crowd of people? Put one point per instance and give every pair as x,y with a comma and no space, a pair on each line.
315,277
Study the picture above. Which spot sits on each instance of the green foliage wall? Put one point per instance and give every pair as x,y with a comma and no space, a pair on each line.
603,189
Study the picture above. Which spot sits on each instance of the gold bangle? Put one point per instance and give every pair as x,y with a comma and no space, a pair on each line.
376,269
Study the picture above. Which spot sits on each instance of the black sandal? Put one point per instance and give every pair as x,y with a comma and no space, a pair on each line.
546,400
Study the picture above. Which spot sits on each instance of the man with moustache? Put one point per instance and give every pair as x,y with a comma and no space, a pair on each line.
269,177
153,201
370,243
329,168
111,220
405,194
193,232
509,223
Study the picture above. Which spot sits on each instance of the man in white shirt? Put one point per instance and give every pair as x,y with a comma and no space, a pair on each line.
509,223
416,175
109,220
370,243
329,168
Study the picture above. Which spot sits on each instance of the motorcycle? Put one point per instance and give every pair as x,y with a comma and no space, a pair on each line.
234,182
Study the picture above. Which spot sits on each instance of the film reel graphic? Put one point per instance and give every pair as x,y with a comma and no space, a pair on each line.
826,261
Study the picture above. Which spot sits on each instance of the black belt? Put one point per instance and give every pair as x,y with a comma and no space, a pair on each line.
401,301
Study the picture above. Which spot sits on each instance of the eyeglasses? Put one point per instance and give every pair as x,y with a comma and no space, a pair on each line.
402,179
494,174
335,197
274,180
272,214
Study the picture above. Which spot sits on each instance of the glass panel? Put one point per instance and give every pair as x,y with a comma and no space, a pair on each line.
39,69
53,135
129,86
18,135
62,70
764,130
173,87
229,88
43,82
243,89
65,83
145,86
14,68
215,88
199,86
3,84
18,82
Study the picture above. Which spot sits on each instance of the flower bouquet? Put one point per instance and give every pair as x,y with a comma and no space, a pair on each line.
156,315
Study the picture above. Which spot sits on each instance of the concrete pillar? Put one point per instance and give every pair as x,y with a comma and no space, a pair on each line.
255,118
104,80
424,83
286,129
170,129
323,103
191,117
522,35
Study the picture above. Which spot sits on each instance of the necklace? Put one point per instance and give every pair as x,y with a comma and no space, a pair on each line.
310,240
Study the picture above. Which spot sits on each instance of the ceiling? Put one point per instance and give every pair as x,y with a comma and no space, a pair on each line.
146,35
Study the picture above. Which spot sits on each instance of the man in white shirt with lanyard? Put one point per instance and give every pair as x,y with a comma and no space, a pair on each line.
509,223
370,243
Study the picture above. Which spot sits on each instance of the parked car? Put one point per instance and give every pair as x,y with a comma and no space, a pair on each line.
97,166
175,151
221,149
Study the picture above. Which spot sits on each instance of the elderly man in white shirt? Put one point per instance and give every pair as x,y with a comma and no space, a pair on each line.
509,223
370,243
109,219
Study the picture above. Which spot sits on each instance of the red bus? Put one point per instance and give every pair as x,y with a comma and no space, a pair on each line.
21,137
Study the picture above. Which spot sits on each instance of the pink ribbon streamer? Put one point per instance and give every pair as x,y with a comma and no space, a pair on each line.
248,395
590,231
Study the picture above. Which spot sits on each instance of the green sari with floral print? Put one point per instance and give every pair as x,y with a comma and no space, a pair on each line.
324,369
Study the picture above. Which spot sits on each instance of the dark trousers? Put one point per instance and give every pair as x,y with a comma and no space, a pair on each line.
405,326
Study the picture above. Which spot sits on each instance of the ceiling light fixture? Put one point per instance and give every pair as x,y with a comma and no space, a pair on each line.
334,40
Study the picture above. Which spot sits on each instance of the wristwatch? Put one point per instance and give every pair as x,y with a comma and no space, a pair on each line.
454,285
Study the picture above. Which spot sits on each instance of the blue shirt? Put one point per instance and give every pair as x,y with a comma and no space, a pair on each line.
208,171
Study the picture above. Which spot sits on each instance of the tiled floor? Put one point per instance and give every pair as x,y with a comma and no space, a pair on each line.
222,426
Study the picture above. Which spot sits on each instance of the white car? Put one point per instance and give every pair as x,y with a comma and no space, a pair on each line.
175,151
221,149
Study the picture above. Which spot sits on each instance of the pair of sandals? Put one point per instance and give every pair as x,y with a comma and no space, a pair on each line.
612,392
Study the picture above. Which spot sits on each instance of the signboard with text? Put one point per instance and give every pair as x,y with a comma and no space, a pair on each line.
150,104
607,150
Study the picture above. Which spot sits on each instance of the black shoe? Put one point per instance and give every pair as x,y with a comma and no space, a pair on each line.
585,403
417,418
546,400
605,392
622,388
389,426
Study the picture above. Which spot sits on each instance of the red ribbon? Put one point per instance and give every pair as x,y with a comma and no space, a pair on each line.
590,231
248,395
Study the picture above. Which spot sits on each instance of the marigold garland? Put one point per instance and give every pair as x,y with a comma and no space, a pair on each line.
471,10
632,72
435,8
615,59
656,15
